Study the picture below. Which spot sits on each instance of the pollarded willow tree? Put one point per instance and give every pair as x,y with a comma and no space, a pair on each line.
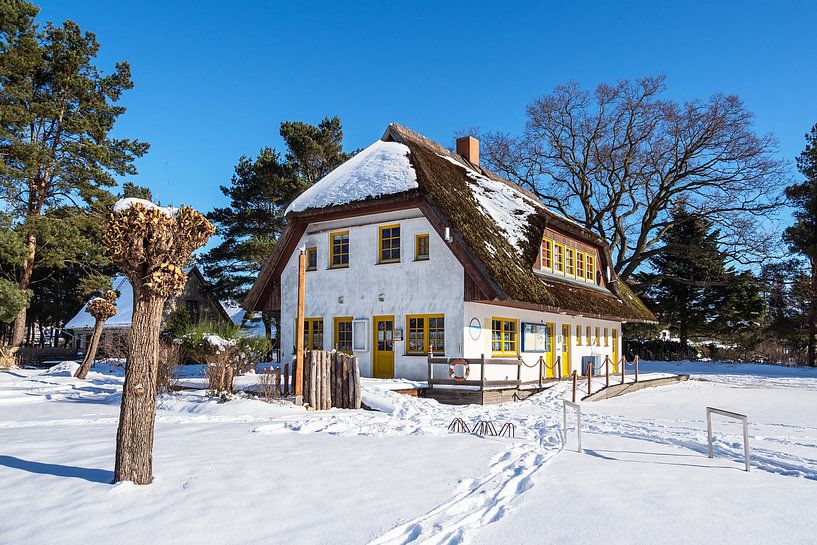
151,246
101,308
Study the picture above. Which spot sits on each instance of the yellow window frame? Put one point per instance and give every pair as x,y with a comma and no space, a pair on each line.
309,331
587,336
426,330
578,335
340,253
580,260
503,330
417,239
558,258
391,239
312,258
605,336
547,254
598,334
591,268
570,262
338,320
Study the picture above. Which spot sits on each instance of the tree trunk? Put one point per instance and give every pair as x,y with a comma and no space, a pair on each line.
811,357
134,438
90,353
19,331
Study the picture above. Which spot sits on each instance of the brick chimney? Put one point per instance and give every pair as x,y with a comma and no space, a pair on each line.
468,147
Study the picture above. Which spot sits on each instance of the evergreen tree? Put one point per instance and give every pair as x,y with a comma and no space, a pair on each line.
58,158
260,190
691,290
786,285
802,236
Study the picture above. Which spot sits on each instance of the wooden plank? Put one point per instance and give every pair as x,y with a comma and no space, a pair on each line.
286,379
356,377
344,380
317,356
327,386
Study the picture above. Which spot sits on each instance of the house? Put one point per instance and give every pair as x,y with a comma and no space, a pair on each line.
411,248
195,297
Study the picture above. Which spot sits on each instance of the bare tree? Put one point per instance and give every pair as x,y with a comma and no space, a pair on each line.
150,245
101,308
617,159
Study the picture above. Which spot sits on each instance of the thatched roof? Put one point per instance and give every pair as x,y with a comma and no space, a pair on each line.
497,229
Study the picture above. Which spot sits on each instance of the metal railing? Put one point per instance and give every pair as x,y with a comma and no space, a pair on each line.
729,414
578,409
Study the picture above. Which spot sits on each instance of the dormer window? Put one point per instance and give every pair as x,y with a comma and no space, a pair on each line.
558,258
547,254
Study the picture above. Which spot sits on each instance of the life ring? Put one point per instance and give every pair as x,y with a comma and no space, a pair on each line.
452,370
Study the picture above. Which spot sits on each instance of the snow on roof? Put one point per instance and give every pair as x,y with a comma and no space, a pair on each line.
251,325
503,203
124,308
381,169
123,204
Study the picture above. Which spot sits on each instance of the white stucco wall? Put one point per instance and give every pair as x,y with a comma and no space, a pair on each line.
434,286
482,345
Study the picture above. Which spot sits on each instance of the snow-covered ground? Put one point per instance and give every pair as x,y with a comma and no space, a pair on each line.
250,472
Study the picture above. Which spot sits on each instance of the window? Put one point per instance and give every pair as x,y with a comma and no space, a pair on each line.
389,244
313,333
558,258
339,249
421,247
547,254
578,335
587,336
343,335
570,262
535,337
598,340
503,336
580,265
605,336
591,269
312,259
426,333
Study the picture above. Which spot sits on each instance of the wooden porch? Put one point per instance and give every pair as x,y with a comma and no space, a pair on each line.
463,390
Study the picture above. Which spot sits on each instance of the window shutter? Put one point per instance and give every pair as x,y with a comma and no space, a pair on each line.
360,335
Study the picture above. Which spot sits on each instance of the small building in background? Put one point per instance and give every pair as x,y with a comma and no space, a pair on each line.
196,298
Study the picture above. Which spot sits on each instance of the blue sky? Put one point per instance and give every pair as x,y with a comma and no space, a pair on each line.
215,79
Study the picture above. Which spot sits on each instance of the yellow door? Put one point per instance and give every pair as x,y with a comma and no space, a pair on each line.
615,351
565,350
383,347
550,369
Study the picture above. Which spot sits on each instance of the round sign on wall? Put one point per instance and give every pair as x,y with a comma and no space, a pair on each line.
475,328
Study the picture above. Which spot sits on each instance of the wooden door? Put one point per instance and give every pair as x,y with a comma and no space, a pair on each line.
383,353
614,367
565,350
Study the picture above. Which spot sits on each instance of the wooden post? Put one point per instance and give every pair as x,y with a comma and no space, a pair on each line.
430,372
607,371
327,380
299,330
344,380
541,370
589,376
635,363
519,372
575,384
482,372
623,365
286,380
559,367
356,377
307,400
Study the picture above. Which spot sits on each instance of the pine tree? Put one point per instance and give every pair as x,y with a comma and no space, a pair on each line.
694,293
260,190
56,115
685,269
802,236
